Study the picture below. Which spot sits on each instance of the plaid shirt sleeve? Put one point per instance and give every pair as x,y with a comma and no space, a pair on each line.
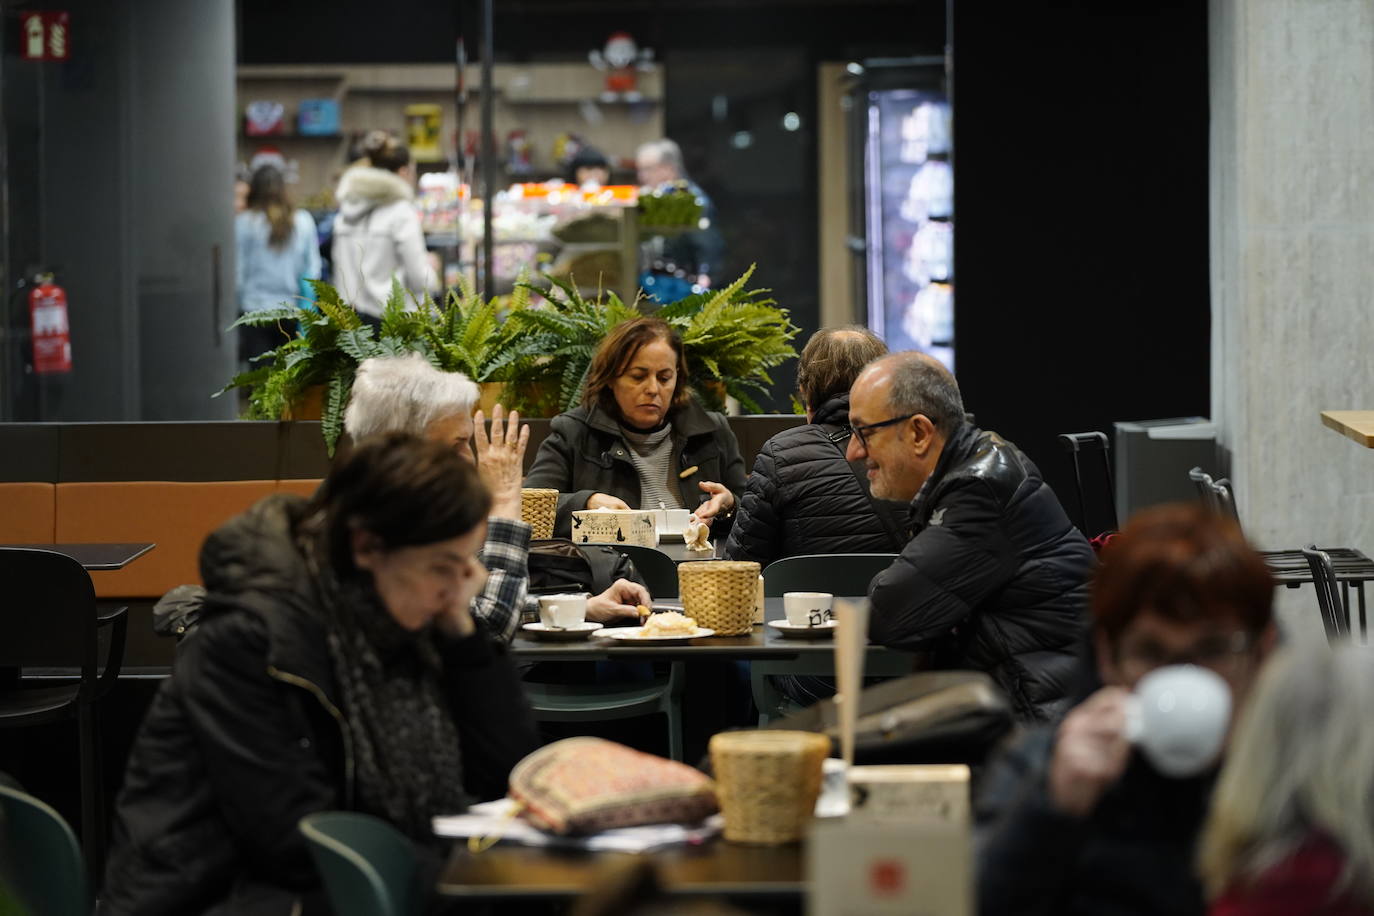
506,557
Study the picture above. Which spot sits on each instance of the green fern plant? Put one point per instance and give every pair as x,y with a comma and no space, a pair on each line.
330,342
558,339
732,336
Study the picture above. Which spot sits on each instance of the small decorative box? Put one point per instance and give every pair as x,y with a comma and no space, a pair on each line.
614,526
927,793
264,119
318,118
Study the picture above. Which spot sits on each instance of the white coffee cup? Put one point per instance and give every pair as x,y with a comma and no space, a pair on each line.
562,611
808,609
1178,717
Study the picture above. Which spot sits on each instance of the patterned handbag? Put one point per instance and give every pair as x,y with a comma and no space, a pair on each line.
582,785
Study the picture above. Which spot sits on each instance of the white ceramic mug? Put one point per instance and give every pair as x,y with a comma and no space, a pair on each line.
1178,717
808,609
562,611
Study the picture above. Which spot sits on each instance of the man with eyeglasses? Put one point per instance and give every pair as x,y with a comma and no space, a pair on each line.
995,577
1072,819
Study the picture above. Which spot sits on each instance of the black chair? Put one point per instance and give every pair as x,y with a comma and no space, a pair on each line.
657,568
49,619
836,573
1294,567
1334,610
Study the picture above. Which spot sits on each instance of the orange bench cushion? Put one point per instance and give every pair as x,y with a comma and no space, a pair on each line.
176,516
27,513
304,487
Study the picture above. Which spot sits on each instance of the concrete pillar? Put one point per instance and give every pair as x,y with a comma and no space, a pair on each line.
1292,260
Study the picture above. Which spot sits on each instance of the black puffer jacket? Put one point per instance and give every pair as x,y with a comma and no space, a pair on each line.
995,579
585,454
803,497
248,736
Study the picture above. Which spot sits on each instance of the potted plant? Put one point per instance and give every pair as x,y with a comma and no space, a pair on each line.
466,335
731,338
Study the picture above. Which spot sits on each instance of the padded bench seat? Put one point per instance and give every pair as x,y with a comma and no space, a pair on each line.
177,516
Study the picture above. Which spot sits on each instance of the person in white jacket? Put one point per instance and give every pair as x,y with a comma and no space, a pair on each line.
377,234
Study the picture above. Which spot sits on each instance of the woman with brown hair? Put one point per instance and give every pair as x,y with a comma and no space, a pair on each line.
277,249
640,440
336,665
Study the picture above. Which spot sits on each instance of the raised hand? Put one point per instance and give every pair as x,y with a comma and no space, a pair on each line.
501,459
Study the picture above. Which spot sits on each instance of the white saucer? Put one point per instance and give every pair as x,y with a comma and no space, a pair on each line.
636,635
561,634
786,629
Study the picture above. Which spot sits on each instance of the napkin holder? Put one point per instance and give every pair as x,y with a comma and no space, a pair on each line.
614,526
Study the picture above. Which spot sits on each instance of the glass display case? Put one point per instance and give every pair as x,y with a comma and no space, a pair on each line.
904,118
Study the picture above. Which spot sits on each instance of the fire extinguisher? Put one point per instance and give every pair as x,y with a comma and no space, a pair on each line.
52,342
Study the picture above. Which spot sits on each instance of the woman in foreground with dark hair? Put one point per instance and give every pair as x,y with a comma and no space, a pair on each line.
336,666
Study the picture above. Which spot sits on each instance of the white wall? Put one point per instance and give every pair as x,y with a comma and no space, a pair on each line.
1292,250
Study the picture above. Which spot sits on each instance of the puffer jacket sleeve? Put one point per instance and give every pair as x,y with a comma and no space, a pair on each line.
495,726
733,474
409,238
553,468
960,558
266,773
757,532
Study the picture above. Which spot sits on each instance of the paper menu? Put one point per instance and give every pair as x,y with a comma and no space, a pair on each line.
851,644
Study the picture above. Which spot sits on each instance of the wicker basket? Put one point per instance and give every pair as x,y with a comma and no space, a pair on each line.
719,594
537,509
767,782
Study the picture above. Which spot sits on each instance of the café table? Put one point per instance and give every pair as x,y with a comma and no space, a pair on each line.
1357,425
763,643
95,557
714,868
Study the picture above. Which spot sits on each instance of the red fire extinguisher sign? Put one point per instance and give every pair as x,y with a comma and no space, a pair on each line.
52,342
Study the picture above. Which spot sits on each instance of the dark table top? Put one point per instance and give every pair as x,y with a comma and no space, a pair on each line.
715,868
763,643
95,556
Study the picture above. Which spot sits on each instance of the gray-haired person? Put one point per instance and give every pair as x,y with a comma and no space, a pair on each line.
407,394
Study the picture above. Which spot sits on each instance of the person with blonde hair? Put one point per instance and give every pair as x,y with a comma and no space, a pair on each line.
407,394
1291,829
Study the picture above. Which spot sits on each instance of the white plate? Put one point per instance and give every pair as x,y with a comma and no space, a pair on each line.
787,629
561,634
636,634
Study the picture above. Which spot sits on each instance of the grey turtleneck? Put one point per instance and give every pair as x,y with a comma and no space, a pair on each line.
652,456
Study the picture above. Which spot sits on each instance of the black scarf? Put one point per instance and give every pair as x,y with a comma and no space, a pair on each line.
405,745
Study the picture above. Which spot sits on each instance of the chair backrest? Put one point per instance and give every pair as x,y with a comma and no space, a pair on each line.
47,611
1225,499
658,569
368,866
1205,492
40,860
1335,617
1092,441
836,573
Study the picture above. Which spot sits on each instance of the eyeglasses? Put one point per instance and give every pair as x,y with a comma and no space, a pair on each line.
1218,652
861,430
